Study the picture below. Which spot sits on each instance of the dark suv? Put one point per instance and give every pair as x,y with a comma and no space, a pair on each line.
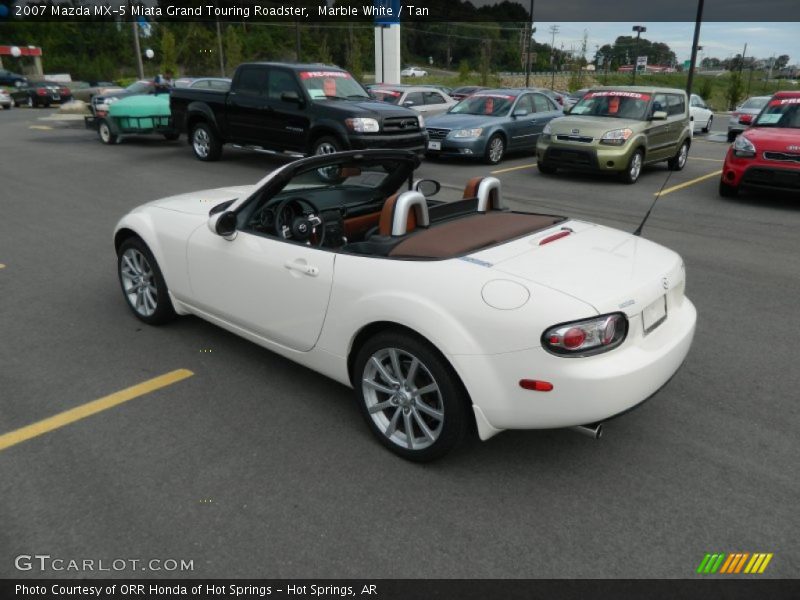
299,109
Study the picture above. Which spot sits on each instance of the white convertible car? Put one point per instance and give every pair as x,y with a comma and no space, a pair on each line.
445,317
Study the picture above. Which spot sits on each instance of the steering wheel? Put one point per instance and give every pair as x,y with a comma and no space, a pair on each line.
306,226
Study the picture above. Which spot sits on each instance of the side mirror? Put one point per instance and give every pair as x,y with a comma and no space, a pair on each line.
427,187
223,224
660,115
520,112
408,103
293,97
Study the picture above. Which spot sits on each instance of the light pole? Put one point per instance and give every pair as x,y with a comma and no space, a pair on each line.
697,22
528,55
639,31
554,31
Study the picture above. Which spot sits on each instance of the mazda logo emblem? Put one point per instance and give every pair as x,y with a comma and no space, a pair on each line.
576,131
665,283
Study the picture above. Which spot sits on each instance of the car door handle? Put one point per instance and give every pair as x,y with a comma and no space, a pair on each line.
303,267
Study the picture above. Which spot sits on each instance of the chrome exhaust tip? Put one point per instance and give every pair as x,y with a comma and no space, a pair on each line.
594,431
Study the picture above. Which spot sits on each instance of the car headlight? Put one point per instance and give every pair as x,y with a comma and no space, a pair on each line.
421,121
361,125
547,130
616,137
587,336
467,133
743,147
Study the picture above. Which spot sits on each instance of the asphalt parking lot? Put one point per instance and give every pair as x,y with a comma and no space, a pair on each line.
256,467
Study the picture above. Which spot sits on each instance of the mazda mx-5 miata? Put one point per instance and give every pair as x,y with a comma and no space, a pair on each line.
445,317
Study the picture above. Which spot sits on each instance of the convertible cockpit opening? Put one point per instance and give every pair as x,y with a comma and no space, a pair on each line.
369,204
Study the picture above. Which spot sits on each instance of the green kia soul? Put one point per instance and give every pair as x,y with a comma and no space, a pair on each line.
619,130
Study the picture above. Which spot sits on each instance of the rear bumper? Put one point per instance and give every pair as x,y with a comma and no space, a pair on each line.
585,390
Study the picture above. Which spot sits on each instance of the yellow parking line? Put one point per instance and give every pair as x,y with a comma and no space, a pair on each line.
708,159
686,184
2,266
513,169
67,417
42,127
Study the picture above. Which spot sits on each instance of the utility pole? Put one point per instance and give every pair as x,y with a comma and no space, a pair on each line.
639,30
221,53
297,38
554,31
137,48
528,54
741,62
695,41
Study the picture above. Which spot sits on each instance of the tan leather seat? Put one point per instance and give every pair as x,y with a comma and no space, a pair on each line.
387,217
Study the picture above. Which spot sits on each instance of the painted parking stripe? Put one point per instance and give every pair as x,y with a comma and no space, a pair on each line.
686,184
72,415
513,169
708,159
41,127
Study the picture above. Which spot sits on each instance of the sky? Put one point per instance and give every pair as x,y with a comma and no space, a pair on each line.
719,40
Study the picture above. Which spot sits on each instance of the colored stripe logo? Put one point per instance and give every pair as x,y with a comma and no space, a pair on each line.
734,563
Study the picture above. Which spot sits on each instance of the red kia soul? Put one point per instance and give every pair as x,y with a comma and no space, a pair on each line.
767,155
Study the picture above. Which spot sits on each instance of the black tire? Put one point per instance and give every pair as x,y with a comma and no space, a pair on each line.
105,133
172,136
206,144
495,150
631,175
727,191
707,128
32,102
8,106
450,400
677,162
546,168
732,136
156,288
327,144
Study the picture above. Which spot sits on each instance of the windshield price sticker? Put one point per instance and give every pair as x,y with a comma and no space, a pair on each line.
318,74
769,119
782,101
622,94
492,96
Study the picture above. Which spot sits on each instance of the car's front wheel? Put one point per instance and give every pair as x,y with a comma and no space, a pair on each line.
731,136
410,396
495,149
634,168
728,191
205,143
707,128
142,283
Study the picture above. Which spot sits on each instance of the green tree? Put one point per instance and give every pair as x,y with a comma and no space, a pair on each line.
169,52
234,56
734,92
463,71
324,52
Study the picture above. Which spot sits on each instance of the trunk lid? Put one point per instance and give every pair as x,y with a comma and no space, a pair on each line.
609,269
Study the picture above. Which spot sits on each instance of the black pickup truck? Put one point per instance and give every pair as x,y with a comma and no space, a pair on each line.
299,109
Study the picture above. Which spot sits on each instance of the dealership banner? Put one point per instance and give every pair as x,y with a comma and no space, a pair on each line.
393,589
386,12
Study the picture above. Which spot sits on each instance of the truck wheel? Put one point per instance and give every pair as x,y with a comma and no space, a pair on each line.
205,143
327,145
104,132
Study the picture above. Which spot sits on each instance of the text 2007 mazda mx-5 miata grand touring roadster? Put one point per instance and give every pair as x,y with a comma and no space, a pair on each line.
443,316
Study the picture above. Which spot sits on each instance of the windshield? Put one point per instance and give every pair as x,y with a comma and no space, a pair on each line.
390,96
620,105
336,85
781,112
138,87
755,103
490,105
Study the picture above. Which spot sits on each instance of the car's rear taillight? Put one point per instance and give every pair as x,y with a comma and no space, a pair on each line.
65,91
586,337
41,91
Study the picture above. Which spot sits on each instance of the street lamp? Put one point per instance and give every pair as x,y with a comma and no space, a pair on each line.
639,31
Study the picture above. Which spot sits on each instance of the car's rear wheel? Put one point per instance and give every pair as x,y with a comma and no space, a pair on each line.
731,136
728,191
546,168
495,149
677,162
205,143
634,168
707,128
104,132
410,396
142,283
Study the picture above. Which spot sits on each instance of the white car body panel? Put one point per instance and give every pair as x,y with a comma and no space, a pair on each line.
312,313
701,117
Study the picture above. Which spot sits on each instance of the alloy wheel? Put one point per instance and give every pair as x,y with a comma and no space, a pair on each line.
138,282
201,142
636,166
496,150
403,399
